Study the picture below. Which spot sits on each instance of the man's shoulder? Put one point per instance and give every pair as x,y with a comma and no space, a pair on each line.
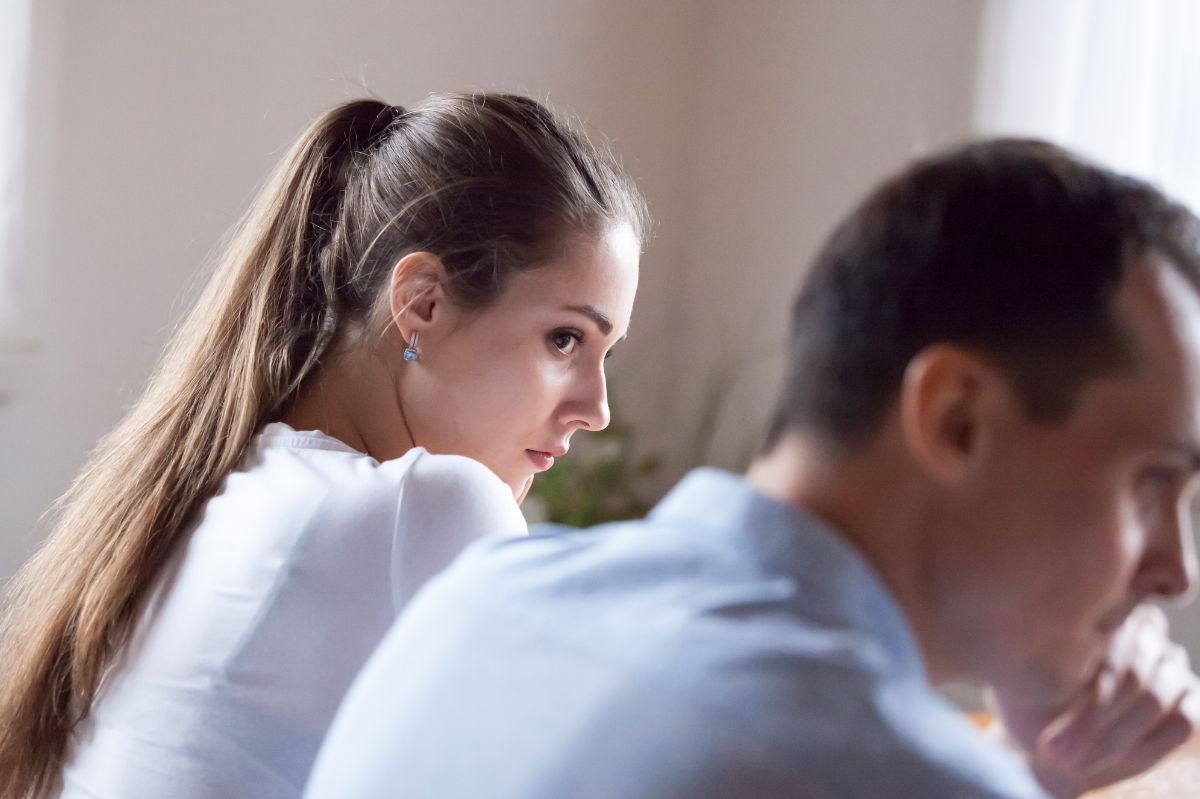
681,645
661,606
699,626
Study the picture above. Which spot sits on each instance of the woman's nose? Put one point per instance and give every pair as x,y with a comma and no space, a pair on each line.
587,405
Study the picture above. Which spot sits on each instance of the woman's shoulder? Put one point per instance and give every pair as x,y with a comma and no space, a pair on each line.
442,491
447,502
446,471
450,489
450,470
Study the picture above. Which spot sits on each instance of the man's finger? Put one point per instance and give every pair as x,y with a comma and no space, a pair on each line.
1116,710
1155,702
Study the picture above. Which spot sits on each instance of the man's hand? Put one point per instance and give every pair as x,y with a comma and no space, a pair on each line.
1143,702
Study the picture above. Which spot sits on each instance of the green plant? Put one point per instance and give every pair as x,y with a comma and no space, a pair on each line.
601,481
605,480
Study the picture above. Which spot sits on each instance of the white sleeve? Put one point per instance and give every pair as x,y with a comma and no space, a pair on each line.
447,501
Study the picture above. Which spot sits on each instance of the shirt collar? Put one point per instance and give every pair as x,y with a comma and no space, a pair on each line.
836,585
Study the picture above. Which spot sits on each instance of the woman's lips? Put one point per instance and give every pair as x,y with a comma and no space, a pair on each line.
542,460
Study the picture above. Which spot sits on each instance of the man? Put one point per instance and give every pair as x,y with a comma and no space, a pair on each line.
979,471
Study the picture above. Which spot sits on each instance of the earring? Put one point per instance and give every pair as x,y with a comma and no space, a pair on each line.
411,353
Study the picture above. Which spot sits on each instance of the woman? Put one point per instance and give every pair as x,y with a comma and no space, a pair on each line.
411,287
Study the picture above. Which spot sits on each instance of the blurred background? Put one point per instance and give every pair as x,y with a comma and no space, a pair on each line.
134,132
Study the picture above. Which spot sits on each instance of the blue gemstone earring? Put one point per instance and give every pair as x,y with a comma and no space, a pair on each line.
411,353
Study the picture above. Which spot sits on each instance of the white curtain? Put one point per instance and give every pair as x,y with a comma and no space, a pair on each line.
15,42
1117,80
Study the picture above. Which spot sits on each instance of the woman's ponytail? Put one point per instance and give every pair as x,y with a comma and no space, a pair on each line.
260,326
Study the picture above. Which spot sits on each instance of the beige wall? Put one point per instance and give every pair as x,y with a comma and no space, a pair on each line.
799,108
154,122
751,126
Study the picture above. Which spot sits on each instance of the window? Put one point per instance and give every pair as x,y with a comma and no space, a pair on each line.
1118,81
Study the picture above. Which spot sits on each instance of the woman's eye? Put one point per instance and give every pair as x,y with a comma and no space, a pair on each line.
565,341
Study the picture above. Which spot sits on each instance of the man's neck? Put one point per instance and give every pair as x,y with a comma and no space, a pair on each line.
873,499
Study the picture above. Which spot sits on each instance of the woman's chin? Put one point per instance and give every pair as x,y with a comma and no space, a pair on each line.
521,490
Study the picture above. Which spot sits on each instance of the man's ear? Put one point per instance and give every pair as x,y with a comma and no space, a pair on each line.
417,293
950,401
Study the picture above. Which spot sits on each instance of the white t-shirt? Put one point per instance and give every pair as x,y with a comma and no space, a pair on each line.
290,577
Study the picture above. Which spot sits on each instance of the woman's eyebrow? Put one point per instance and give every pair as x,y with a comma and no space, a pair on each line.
590,312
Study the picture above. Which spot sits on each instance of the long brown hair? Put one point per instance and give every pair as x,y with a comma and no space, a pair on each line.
490,183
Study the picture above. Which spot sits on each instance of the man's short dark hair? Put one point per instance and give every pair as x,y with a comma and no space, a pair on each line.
1014,248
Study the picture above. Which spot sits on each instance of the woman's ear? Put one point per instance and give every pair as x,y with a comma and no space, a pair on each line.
950,403
418,297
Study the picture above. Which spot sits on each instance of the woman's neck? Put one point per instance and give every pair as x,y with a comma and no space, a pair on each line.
354,398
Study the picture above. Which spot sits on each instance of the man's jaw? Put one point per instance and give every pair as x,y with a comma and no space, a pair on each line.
1112,621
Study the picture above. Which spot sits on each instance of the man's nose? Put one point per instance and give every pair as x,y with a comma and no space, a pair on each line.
1174,572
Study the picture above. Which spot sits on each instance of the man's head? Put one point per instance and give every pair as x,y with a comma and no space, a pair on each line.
1013,248
1024,330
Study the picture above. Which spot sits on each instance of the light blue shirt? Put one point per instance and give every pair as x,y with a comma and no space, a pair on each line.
726,647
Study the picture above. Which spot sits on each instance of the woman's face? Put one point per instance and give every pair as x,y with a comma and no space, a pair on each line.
509,384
